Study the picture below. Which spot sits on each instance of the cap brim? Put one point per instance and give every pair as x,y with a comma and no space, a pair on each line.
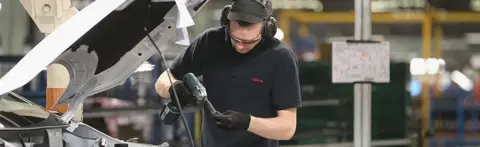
244,17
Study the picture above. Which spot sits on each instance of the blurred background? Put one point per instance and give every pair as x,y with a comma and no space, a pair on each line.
432,98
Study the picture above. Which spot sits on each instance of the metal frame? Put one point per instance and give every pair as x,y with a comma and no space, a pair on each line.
429,19
74,134
362,91
81,64
287,16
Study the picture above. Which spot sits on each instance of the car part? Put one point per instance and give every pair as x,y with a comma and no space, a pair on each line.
102,57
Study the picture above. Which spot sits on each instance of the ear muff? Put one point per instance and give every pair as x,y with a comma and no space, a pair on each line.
270,28
223,18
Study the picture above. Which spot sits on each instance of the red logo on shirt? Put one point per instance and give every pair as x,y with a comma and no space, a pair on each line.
257,80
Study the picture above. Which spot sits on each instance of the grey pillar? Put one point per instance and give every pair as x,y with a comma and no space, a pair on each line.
362,98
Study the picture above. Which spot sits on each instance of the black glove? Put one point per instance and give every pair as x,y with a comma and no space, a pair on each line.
232,120
184,94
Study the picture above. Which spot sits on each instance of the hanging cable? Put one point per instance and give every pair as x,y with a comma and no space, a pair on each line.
174,91
175,96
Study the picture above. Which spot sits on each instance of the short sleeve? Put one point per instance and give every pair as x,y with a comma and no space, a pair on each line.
286,84
190,60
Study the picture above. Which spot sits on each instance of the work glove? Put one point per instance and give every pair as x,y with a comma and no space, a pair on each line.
232,120
184,94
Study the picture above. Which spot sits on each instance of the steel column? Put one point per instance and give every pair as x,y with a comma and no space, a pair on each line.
362,98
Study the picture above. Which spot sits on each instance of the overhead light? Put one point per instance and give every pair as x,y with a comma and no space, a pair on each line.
441,62
380,6
0,6
430,66
417,66
463,81
475,61
475,5
433,66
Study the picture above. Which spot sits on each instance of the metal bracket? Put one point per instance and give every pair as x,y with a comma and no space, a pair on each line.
49,14
55,138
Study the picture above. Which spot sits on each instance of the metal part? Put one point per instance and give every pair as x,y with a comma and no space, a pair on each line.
112,55
33,128
49,14
134,140
84,56
362,91
58,135
81,64
85,131
210,107
6,143
315,103
129,111
117,73
55,137
79,97
101,142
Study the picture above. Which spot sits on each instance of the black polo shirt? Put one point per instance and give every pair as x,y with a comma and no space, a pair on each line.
258,83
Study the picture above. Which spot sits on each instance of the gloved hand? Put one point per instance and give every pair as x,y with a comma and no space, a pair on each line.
232,120
184,94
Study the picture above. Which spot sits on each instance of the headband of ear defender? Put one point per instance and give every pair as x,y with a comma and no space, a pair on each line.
270,24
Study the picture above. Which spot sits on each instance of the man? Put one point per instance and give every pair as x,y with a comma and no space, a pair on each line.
250,76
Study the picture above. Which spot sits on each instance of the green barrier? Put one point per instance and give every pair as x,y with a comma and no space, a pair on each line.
334,123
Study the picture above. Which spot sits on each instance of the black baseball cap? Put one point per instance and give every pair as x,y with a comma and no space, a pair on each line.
252,11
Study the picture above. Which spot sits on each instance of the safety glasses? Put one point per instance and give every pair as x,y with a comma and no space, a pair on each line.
237,40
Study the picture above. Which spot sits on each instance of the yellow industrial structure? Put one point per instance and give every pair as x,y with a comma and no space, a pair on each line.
431,21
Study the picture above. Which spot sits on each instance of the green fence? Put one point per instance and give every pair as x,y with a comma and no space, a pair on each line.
327,115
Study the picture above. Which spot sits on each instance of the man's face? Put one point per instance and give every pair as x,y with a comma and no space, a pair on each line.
244,38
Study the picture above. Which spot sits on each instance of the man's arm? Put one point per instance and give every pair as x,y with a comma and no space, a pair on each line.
163,84
286,98
188,61
279,128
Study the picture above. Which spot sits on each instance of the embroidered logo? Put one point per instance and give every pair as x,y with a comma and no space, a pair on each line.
257,80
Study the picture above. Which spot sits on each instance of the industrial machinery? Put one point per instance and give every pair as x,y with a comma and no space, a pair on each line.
26,124
100,46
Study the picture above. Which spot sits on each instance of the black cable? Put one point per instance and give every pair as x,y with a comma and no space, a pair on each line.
184,120
177,100
21,140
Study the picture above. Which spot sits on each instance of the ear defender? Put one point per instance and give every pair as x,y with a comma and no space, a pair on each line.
269,29
223,18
